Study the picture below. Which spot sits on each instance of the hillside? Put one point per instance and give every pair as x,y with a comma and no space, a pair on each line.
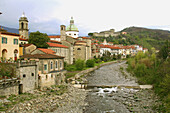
147,37
12,30
152,33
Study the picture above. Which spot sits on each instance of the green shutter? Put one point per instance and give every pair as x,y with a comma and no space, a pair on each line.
6,40
17,41
2,40
14,41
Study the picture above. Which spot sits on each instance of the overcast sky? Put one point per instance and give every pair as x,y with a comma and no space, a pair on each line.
89,15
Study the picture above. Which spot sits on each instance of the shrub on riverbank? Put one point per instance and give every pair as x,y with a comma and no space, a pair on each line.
80,65
90,63
151,70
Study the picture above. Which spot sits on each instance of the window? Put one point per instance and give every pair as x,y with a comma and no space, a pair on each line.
32,74
69,33
46,77
74,34
16,41
51,75
51,65
45,66
60,64
4,40
56,64
78,49
24,75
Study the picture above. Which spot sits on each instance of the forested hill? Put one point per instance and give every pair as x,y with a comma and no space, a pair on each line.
152,33
147,37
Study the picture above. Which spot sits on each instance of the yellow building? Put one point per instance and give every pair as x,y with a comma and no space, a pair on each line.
9,46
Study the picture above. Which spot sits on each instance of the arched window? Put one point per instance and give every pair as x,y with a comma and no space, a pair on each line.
51,64
78,48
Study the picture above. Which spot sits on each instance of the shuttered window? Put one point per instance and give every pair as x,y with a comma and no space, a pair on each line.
4,40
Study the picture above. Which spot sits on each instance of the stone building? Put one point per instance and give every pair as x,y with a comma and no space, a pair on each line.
61,50
9,45
23,26
108,33
51,68
26,49
28,74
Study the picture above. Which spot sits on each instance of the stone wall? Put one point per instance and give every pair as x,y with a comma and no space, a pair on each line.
28,74
9,87
47,80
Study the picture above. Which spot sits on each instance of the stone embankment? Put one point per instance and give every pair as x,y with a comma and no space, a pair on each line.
49,100
79,77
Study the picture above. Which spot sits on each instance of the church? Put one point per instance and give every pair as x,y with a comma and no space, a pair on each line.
79,47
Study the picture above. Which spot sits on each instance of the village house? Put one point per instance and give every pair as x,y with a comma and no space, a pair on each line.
51,67
26,49
60,50
9,45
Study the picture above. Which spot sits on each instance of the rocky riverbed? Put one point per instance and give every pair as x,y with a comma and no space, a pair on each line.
118,99
68,99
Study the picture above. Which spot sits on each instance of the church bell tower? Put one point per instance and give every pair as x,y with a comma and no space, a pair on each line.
63,32
23,26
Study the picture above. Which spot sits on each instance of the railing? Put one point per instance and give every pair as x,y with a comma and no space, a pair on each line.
27,63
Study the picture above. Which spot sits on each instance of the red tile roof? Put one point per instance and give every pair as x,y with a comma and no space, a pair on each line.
26,45
47,51
81,41
21,39
55,41
54,36
8,33
42,56
85,37
56,45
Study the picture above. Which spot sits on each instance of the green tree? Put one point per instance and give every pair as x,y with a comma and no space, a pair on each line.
90,34
90,63
163,53
80,64
38,39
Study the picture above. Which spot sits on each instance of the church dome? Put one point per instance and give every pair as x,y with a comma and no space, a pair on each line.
71,27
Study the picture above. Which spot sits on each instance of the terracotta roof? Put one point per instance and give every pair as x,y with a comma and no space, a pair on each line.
47,51
8,33
55,41
85,37
56,45
113,47
42,56
23,39
54,36
26,45
81,41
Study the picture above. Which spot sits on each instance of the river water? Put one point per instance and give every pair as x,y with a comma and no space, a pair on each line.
117,99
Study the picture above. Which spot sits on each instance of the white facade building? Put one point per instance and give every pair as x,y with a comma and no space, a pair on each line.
72,30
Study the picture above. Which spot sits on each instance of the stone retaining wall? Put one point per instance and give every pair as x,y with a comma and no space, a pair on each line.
9,86
91,69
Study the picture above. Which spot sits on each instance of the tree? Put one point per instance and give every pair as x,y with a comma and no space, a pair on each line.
90,63
90,34
38,39
79,64
163,53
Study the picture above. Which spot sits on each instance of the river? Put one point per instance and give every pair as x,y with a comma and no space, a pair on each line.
117,99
